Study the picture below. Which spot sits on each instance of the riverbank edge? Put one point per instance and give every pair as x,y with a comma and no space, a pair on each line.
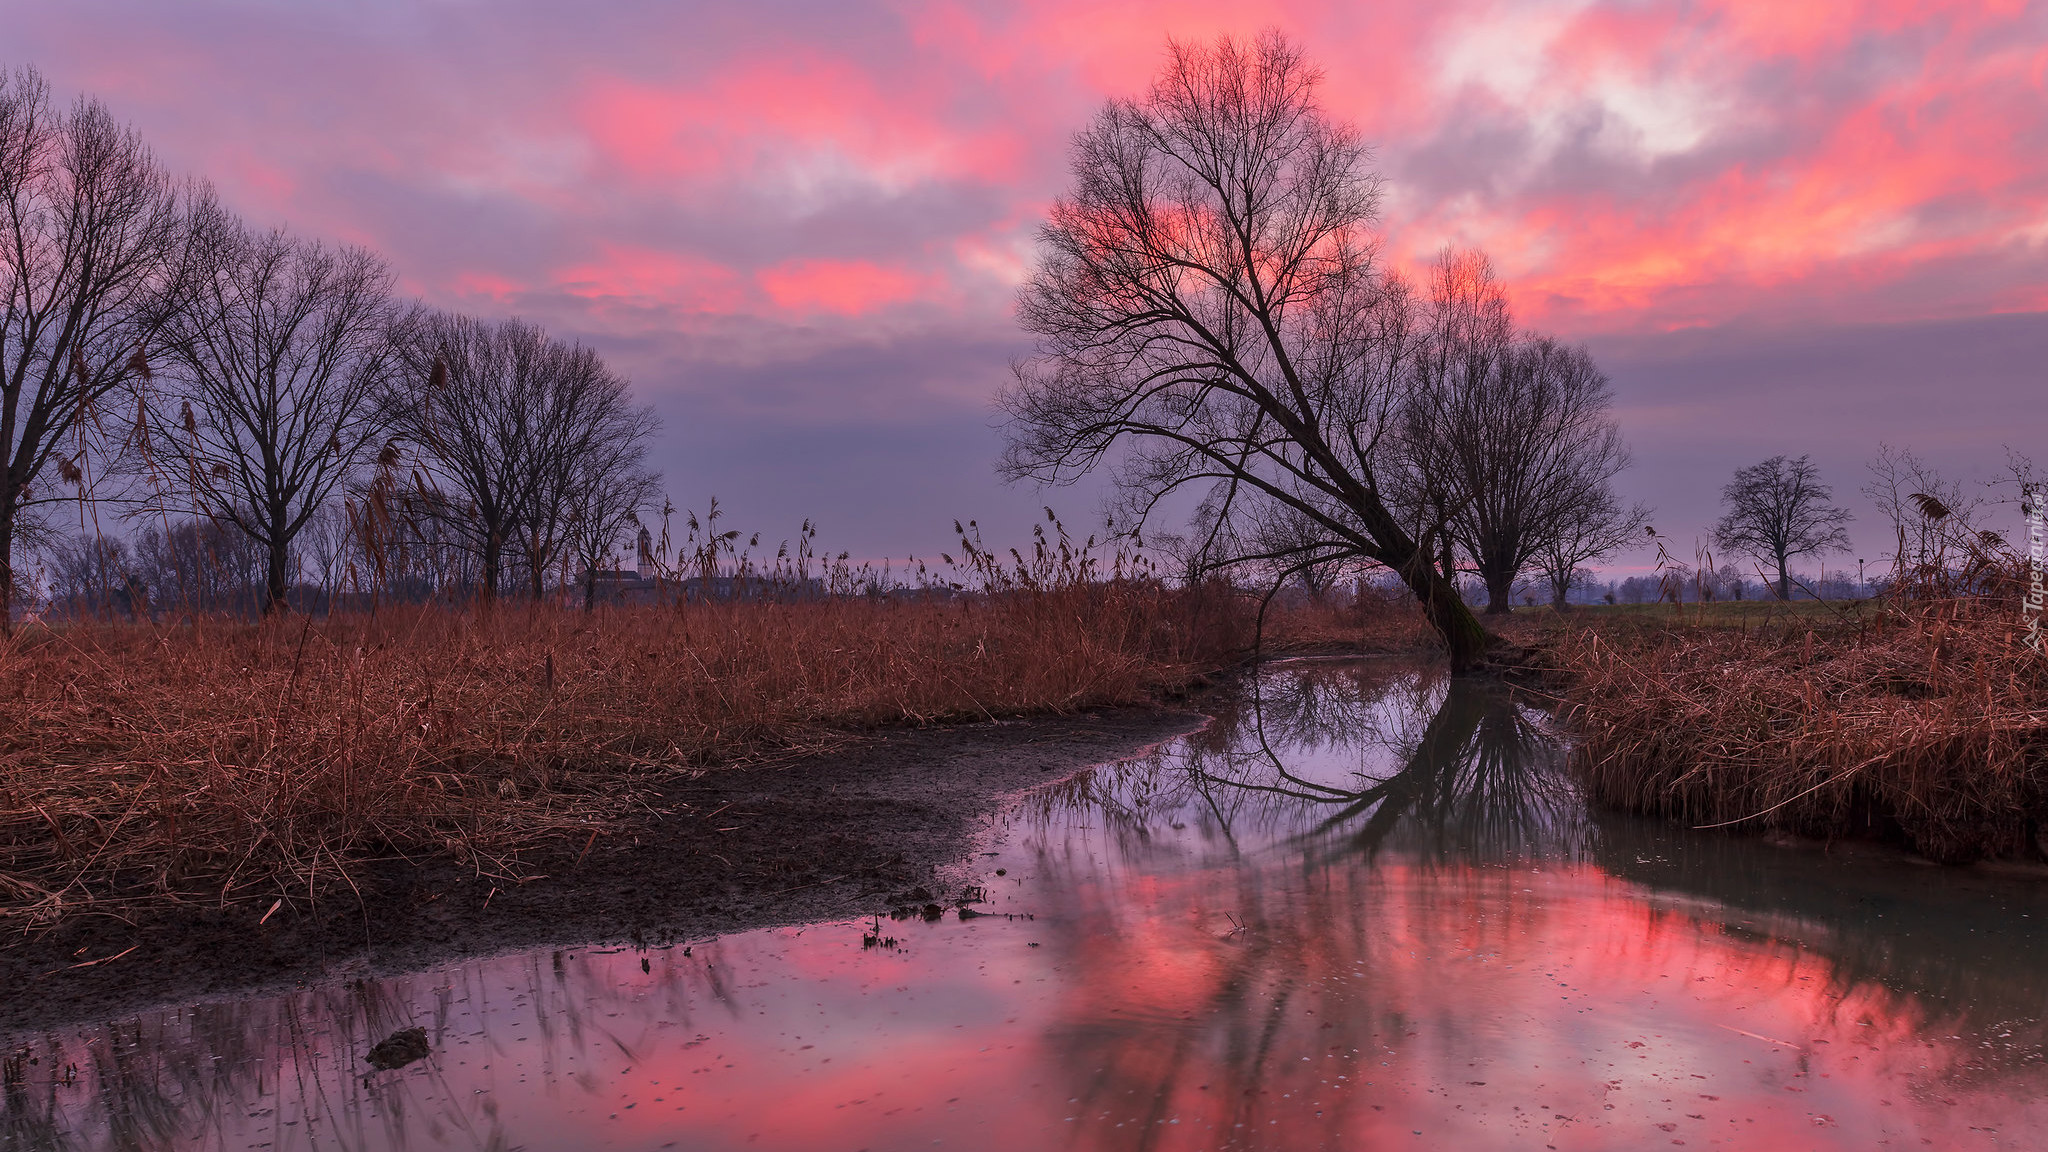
889,819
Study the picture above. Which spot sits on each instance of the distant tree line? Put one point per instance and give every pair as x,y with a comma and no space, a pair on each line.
262,412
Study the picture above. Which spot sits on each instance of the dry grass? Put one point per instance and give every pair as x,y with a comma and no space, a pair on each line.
1926,718
1367,619
224,762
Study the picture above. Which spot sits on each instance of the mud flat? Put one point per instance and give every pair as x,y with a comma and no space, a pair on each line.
859,830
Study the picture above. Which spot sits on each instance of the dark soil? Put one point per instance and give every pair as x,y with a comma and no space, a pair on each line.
857,831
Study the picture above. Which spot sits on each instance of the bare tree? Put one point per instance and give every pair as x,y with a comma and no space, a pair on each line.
90,575
591,475
89,247
505,421
1777,510
1596,526
279,365
1210,311
1466,332
195,564
1283,532
606,496
1511,437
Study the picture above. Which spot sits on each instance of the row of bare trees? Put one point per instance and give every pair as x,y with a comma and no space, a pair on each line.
1213,314
161,355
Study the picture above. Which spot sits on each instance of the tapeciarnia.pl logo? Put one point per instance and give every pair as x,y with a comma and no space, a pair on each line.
2037,562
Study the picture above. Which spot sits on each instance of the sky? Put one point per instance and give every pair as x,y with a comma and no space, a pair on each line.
799,225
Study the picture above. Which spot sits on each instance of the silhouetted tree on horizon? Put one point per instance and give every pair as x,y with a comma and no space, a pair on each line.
1510,436
506,419
281,364
1779,509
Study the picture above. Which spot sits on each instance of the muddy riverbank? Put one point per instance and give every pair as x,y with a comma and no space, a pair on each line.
856,831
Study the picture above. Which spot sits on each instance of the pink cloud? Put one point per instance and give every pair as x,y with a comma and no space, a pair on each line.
656,279
845,287
1630,166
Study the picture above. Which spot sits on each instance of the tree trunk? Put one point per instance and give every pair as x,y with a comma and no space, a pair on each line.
7,514
589,586
276,593
1464,638
1784,580
1500,593
493,559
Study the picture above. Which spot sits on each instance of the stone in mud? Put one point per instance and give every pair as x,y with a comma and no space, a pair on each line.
399,1049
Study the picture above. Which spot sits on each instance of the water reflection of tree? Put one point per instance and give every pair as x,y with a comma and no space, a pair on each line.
1339,759
1321,768
1321,765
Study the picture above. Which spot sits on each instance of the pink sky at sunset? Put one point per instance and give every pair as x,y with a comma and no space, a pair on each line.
800,226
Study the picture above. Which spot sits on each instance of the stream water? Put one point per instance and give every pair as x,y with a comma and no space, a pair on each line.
1363,909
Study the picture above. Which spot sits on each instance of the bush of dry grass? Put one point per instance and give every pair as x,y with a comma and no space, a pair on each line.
224,762
1928,718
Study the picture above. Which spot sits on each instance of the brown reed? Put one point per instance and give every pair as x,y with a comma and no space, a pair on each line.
1923,717
220,762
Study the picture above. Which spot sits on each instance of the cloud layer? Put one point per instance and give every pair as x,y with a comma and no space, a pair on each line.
803,223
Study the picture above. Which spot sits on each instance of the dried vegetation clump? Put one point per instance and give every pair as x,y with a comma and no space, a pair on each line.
219,762
1922,716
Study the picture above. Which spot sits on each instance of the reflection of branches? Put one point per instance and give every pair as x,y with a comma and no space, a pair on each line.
1326,767
1350,757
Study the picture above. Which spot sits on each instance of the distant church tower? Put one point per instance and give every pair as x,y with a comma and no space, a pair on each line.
645,564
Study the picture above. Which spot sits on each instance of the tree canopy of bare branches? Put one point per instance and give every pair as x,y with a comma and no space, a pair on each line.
280,363
1509,436
1777,510
508,421
89,259
608,489
1210,310
1598,525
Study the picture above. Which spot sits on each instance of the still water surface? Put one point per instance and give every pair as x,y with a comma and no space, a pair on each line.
1363,909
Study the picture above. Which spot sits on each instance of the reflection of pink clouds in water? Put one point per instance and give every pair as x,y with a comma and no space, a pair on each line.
1486,1007
1482,1007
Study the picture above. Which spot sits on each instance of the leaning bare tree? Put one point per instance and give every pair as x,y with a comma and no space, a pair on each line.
89,244
1210,311
279,365
504,417
1777,510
